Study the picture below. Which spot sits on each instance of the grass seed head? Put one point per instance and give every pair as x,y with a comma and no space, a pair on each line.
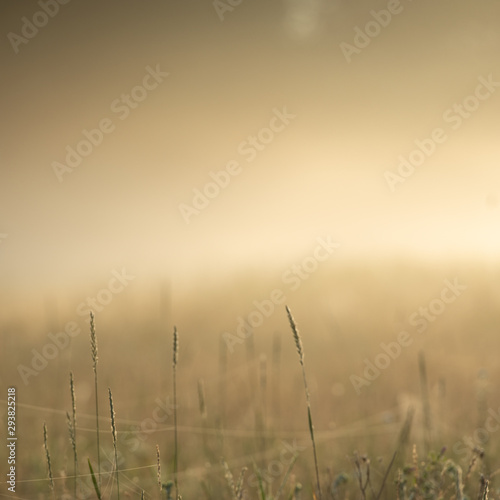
47,456
176,346
93,341
296,336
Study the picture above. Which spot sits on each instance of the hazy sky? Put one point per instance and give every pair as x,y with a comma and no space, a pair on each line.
330,110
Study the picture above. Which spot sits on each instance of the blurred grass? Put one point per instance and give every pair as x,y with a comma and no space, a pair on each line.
345,312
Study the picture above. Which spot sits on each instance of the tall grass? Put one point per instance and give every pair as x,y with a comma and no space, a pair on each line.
276,381
429,476
236,490
174,370
49,463
426,406
114,434
158,469
222,402
262,402
300,351
94,351
72,430
203,415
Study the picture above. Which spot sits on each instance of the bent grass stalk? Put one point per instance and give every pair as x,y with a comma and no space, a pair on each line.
94,481
300,351
93,346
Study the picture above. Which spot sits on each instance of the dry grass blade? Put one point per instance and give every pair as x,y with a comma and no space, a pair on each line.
94,481
93,341
300,351
239,485
236,490
386,475
201,399
229,479
203,415
72,429
175,346
404,437
286,476
114,433
425,401
484,491
276,362
93,347
47,456
158,468
296,336
72,440
174,368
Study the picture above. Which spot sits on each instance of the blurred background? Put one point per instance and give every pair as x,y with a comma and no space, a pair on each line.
175,162
323,174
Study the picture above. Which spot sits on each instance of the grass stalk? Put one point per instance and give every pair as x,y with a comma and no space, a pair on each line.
158,468
94,481
203,415
426,407
404,437
221,419
285,477
260,406
386,475
484,491
114,433
174,369
300,351
72,429
237,490
47,456
229,479
93,346
239,485
73,421
276,388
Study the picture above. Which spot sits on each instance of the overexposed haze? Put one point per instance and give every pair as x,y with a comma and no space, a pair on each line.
322,174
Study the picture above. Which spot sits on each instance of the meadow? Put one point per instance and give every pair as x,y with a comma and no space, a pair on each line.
400,362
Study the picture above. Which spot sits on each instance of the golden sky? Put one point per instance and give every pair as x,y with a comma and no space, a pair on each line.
310,115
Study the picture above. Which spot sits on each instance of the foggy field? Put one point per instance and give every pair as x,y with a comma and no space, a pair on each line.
305,195
253,408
